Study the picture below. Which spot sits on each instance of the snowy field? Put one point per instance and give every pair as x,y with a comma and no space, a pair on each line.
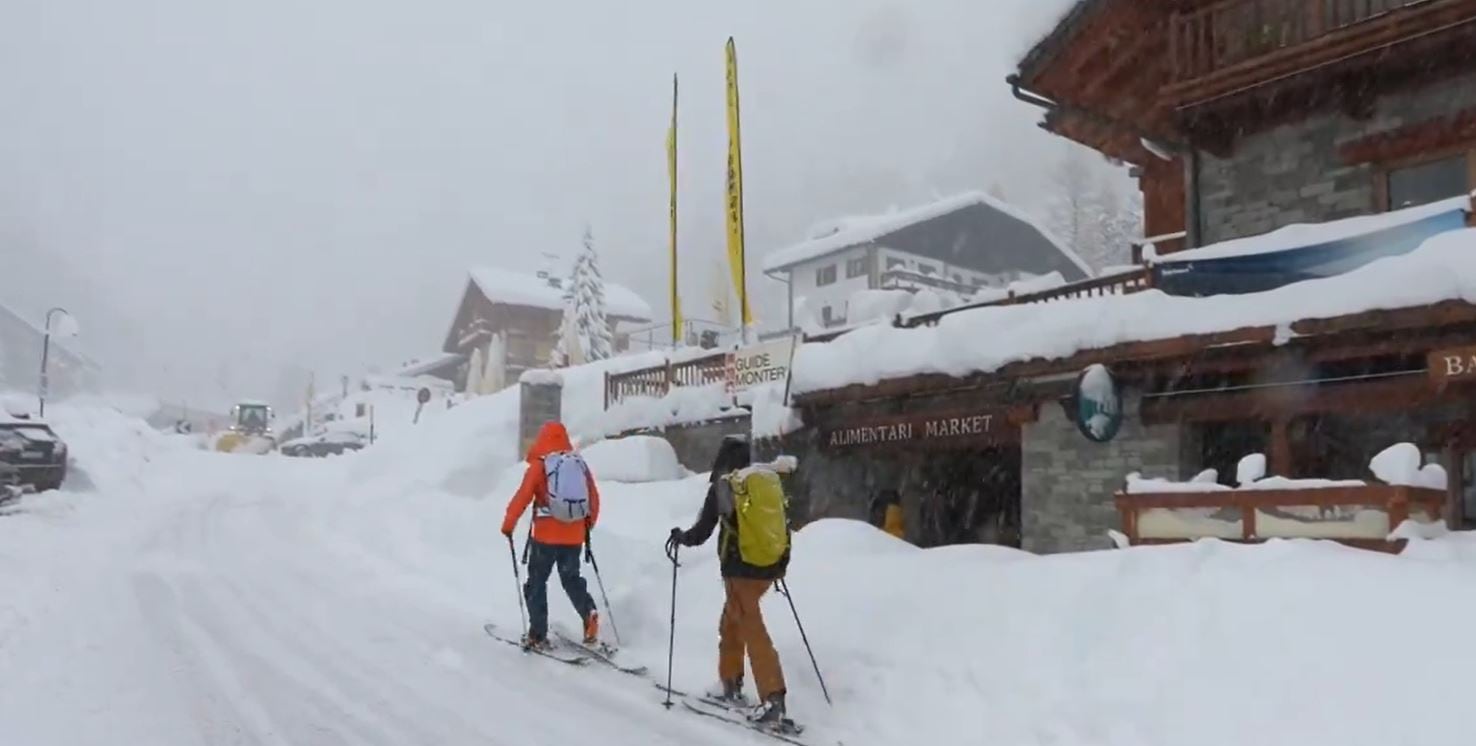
174,596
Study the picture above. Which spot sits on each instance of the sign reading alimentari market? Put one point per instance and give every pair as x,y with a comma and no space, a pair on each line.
971,428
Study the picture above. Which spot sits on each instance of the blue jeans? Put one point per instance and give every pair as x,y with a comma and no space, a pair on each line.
542,558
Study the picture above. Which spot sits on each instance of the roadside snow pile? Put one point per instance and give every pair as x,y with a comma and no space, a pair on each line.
462,450
638,458
1442,269
108,446
1166,645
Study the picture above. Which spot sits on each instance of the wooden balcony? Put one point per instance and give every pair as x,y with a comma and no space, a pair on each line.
1231,46
1361,516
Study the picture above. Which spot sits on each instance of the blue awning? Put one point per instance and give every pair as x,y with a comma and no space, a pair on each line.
1246,266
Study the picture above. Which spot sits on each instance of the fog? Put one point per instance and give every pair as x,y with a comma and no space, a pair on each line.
224,193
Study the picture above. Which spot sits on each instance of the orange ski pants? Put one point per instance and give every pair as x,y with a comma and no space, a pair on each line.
742,629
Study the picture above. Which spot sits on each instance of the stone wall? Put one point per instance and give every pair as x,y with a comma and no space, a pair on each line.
1069,481
1293,174
537,403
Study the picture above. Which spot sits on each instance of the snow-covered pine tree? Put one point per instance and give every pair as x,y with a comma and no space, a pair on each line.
591,326
584,333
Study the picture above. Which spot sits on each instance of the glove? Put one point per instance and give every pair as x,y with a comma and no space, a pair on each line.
672,541
507,532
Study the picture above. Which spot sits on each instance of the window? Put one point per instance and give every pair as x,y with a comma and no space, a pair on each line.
893,262
825,275
1427,182
858,267
827,316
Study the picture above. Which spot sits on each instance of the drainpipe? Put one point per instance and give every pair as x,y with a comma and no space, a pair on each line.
1194,220
789,285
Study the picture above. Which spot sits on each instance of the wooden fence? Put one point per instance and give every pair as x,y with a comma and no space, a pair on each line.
1257,515
657,381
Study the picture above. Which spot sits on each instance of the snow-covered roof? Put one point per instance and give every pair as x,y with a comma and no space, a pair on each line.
983,340
423,366
521,289
845,233
1300,235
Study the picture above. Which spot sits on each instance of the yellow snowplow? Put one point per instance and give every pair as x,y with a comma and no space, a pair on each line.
250,430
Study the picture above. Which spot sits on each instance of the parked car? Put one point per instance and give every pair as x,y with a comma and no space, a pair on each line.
324,444
36,454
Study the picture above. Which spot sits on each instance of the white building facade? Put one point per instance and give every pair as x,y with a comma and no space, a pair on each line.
956,246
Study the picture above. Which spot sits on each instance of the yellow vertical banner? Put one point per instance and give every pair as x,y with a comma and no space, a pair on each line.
671,169
735,193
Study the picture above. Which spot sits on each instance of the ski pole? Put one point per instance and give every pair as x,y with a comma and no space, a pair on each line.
784,588
671,643
517,577
590,555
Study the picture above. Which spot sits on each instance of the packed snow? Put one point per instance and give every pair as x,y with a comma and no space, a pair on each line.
179,597
638,458
1442,269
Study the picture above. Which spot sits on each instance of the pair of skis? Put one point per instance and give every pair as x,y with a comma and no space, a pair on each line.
571,651
575,653
785,730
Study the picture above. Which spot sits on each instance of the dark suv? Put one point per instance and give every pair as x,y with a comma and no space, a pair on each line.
33,451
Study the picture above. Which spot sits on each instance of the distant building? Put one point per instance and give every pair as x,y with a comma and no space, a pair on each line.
523,311
20,359
960,244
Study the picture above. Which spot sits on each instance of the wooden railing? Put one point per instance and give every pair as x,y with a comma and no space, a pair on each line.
1122,283
1257,515
1227,33
657,381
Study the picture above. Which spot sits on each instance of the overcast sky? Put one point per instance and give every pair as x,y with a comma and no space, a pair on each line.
233,189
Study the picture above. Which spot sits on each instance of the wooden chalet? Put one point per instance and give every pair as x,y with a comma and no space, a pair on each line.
1244,115
524,311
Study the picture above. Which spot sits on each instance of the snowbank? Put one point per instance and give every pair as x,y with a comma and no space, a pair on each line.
1442,269
683,405
638,458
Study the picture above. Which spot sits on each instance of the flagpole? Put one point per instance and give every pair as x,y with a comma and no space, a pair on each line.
671,162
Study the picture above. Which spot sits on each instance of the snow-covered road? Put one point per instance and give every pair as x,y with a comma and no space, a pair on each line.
229,600
175,597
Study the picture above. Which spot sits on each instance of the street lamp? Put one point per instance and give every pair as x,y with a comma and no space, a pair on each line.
70,330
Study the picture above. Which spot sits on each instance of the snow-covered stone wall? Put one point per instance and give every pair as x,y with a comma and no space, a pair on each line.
1295,174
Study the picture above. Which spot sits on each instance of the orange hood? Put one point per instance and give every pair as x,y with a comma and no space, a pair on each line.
552,438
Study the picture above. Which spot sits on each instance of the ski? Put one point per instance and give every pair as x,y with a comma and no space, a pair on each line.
726,715
577,660
673,692
602,653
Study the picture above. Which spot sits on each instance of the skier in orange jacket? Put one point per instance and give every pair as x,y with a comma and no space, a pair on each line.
555,540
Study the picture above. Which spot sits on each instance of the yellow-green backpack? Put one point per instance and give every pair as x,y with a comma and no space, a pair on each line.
761,512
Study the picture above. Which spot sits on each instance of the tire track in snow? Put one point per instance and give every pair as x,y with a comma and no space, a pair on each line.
224,709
